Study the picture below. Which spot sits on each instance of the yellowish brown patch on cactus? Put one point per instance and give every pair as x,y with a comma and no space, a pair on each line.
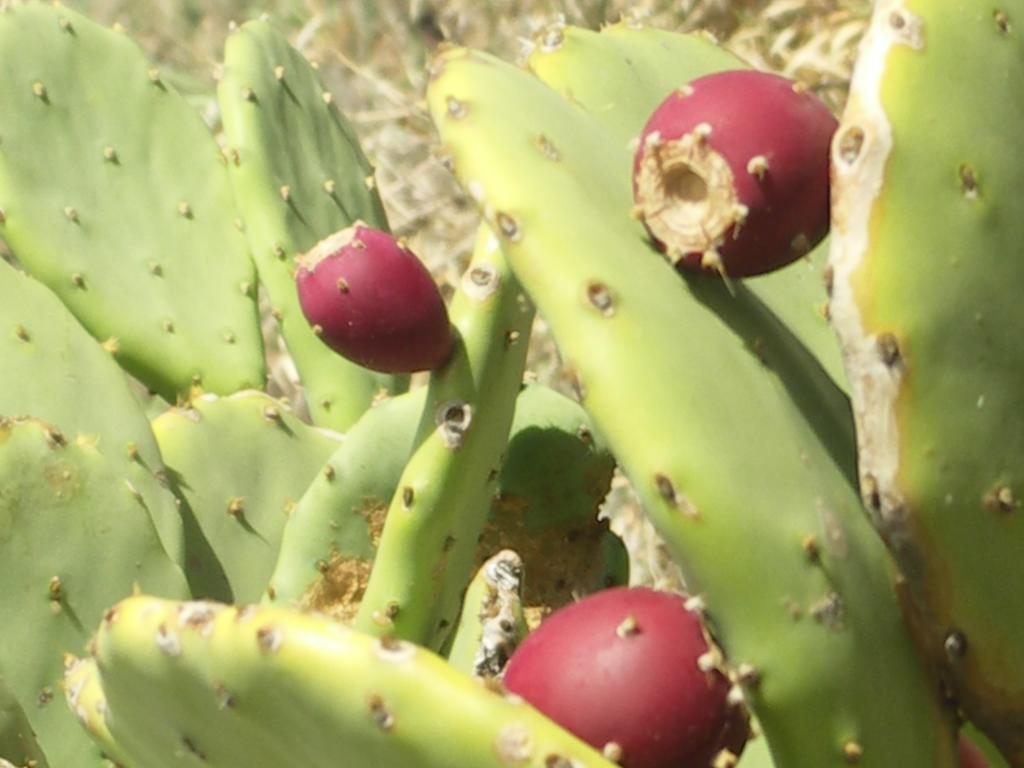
852,752
860,152
340,587
599,296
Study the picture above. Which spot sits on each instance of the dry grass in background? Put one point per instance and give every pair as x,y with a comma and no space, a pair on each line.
372,57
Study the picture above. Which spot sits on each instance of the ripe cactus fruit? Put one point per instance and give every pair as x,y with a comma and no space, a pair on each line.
731,173
629,671
374,302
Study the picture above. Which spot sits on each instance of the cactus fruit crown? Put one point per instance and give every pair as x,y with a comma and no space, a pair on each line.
373,302
329,246
731,173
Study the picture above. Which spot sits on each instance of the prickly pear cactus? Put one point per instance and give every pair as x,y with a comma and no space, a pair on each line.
927,230
74,539
330,539
77,388
86,700
299,175
202,683
619,76
242,462
737,440
114,193
427,545
555,476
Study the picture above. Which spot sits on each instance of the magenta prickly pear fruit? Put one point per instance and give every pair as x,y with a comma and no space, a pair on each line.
970,755
372,301
731,174
629,672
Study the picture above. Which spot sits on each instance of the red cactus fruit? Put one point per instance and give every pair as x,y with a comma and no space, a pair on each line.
731,174
626,670
970,755
372,301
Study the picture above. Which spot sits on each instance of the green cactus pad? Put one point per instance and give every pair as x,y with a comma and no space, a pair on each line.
200,683
53,370
115,195
738,442
18,745
927,305
620,76
241,463
556,473
331,535
426,551
74,538
557,470
299,176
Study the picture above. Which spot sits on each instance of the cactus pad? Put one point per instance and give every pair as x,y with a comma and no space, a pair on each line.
556,473
330,538
18,744
426,551
737,441
299,175
77,388
74,538
241,463
927,305
202,683
115,195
